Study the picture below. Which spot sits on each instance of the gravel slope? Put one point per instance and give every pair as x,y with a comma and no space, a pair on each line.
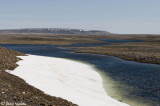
14,89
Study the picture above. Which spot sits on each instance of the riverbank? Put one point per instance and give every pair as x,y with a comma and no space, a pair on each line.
15,90
144,52
73,81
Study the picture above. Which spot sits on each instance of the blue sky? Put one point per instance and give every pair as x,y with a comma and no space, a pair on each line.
117,16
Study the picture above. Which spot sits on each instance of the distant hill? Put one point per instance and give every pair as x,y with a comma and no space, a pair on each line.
54,31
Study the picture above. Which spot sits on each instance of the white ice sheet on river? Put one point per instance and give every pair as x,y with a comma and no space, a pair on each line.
70,80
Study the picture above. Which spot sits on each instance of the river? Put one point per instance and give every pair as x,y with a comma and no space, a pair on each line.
131,82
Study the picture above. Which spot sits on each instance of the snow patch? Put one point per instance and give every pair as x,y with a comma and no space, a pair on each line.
70,80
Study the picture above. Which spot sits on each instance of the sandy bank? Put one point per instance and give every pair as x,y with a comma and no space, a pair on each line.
70,80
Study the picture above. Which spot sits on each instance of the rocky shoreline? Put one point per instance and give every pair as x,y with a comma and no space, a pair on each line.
144,52
15,90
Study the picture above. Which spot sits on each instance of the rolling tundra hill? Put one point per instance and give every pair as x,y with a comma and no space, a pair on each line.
54,31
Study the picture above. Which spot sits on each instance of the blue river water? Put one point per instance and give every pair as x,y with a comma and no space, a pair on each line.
139,82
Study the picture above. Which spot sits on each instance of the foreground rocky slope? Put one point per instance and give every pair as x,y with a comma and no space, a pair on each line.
15,90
